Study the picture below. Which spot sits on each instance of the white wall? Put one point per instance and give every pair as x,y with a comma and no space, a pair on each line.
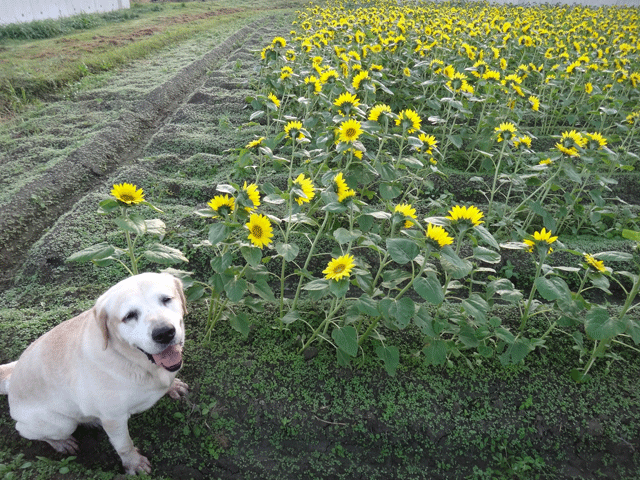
15,11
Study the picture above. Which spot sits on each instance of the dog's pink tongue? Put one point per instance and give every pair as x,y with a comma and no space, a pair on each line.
170,358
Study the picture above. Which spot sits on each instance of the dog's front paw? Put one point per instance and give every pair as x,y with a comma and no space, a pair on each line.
136,463
178,389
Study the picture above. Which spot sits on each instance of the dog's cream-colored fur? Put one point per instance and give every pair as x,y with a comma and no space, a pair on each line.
99,367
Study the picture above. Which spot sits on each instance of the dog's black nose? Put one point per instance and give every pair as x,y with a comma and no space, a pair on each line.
163,334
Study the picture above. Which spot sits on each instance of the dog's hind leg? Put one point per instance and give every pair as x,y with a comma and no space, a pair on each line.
56,430
5,375
69,445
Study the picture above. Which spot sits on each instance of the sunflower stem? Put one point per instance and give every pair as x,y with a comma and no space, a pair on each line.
598,351
525,315
214,312
630,298
414,276
130,245
287,230
306,262
575,201
324,325
495,177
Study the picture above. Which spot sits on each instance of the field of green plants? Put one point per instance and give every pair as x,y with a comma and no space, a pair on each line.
366,106
415,251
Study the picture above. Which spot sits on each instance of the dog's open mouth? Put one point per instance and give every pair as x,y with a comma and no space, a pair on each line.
170,358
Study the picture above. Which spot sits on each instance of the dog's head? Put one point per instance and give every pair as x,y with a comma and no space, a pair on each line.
145,312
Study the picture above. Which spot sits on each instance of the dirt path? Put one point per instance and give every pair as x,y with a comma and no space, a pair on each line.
37,191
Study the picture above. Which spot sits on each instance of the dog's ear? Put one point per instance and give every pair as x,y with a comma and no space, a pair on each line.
101,317
183,300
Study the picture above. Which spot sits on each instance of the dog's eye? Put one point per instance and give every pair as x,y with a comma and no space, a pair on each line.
132,315
166,300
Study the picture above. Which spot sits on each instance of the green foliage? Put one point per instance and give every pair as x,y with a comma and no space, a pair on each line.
40,29
345,109
337,224
134,227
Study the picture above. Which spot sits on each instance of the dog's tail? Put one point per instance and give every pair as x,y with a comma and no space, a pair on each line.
5,376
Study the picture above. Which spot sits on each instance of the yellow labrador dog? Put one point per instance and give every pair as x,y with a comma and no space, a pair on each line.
102,366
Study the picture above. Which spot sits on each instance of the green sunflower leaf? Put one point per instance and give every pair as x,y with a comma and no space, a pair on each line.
94,252
346,339
391,358
402,250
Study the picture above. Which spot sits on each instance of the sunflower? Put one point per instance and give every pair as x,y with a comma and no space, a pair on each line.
470,214
292,128
588,88
312,80
349,131
479,68
328,76
438,235
408,211
268,53
255,143
457,82
535,103
356,153
491,75
524,140
339,268
285,72
279,42
505,131
342,189
449,71
127,193
429,141
633,117
306,185
253,194
374,114
274,99
595,264
410,120
595,141
223,204
570,142
406,72
543,236
346,101
260,230
359,78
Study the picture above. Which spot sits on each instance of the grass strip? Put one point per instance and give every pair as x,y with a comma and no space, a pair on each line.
35,69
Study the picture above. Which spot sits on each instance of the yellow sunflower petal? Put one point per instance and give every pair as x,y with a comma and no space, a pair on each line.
127,193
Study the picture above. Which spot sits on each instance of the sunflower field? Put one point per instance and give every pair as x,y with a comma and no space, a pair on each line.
366,105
